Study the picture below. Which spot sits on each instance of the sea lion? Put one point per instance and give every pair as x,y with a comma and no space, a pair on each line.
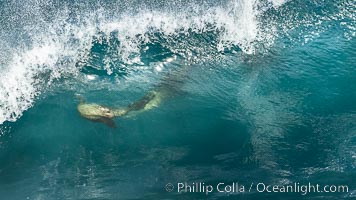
167,88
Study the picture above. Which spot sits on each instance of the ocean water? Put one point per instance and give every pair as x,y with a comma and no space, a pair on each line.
262,94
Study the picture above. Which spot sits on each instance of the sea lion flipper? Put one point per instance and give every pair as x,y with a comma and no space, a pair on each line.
141,103
107,121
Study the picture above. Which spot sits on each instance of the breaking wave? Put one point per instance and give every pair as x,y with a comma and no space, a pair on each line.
43,42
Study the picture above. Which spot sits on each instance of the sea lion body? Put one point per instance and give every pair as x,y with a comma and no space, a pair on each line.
94,111
168,88
99,113
147,102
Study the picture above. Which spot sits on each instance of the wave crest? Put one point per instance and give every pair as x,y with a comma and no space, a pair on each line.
63,39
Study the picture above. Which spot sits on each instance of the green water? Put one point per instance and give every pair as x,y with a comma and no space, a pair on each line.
282,116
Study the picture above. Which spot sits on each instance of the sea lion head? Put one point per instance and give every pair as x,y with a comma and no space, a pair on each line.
106,112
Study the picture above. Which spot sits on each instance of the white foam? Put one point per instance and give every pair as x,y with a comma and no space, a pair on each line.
91,77
237,21
33,69
18,83
277,3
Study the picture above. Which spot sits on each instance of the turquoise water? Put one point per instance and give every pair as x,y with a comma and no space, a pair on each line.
262,92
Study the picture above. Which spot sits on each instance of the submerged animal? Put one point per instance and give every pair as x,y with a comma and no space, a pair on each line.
169,87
